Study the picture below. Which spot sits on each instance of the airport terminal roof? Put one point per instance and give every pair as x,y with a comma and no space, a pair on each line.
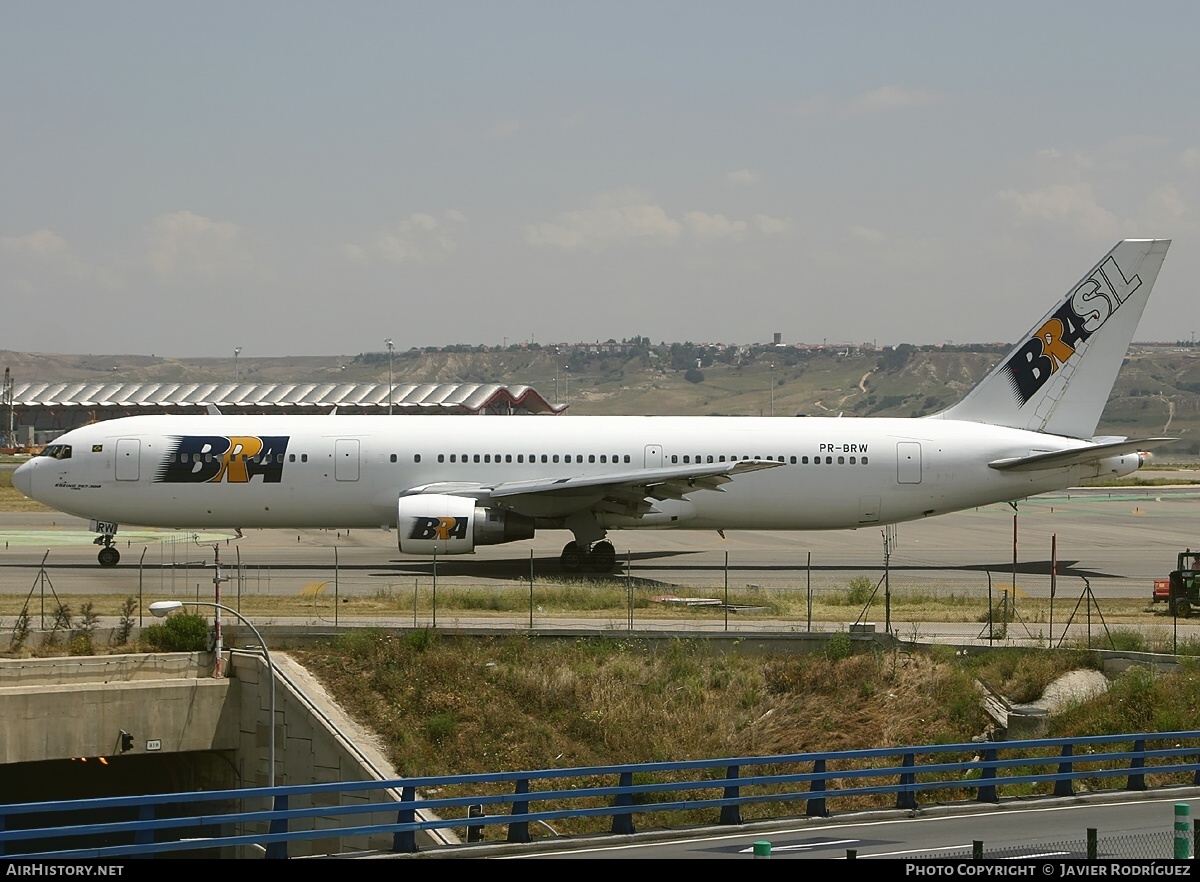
266,397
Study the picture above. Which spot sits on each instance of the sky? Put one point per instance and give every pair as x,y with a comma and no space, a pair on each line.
313,178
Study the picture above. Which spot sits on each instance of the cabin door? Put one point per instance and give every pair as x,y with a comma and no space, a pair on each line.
908,462
128,466
345,459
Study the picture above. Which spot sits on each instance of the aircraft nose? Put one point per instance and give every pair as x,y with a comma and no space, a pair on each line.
22,478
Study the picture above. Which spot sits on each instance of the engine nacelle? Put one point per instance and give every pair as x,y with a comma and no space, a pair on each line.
437,523
1119,466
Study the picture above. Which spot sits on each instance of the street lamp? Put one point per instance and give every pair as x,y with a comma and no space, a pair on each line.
388,343
772,388
236,352
161,607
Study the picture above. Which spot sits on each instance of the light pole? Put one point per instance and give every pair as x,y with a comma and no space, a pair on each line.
161,607
388,343
772,388
236,352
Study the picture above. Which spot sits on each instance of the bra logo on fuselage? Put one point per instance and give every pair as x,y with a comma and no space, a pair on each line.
442,529
1080,316
236,459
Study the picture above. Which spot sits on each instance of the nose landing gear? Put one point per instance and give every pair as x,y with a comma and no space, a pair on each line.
108,555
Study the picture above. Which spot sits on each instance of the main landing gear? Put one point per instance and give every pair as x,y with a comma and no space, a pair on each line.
601,557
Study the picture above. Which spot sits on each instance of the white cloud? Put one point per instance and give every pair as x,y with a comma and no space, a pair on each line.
890,98
421,238
898,251
41,243
743,176
866,234
628,216
612,218
713,226
1072,205
504,128
185,243
774,226
806,108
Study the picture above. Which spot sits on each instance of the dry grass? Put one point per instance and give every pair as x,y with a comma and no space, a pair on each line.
447,705
11,498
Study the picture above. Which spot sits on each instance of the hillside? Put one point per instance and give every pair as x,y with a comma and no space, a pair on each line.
1157,391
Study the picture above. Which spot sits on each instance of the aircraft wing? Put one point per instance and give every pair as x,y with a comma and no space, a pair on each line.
626,490
667,482
1059,459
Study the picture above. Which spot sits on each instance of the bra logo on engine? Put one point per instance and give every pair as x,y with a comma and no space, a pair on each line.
442,529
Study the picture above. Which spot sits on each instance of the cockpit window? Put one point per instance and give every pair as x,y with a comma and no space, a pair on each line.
57,451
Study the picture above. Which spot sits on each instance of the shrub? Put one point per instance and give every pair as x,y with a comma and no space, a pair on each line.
860,590
185,632
125,628
839,646
21,629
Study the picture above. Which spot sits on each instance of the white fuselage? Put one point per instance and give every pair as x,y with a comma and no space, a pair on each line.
348,471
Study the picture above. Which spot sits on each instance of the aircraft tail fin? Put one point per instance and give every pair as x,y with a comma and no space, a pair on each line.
1058,378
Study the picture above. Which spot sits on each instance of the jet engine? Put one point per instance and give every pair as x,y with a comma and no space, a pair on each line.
437,523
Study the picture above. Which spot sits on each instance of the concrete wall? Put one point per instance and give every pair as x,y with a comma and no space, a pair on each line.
311,747
58,708
82,706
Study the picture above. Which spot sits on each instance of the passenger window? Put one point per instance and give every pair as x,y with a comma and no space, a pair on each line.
627,457
567,458
604,457
544,458
487,457
591,457
291,457
393,457
674,458
304,457
829,460
864,460
841,460
520,457
441,457
853,459
508,457
687,459
710,459
556,457
476,457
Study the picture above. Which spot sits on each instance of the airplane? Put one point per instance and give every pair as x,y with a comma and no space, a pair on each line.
451,484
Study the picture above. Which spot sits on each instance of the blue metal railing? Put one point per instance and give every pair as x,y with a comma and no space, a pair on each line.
271,816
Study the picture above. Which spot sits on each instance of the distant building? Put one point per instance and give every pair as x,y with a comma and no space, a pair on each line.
42,411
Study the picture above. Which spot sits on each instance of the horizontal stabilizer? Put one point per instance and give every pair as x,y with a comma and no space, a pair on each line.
1061,459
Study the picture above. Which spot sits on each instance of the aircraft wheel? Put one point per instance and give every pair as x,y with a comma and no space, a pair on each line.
603,557
572,557
1183,609
108,557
